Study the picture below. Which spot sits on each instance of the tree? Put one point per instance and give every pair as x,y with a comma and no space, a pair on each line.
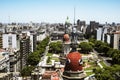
85,46
27,71
92,40
56,47
108,73
43,43
103,49
99,46
116,56
92,44
33,59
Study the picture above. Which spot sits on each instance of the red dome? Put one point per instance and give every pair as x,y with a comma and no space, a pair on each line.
74,61
66,37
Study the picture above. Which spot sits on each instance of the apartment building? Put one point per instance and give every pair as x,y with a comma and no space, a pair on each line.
25,49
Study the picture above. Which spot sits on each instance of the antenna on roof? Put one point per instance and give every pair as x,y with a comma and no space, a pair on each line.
9,19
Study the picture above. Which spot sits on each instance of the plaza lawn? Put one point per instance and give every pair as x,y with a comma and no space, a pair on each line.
89,70
50,55
103,64
89,73
55,58
92,66
49,63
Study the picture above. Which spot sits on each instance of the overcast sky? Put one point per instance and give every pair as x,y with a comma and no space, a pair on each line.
57,10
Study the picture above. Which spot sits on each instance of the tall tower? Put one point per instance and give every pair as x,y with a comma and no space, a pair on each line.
74,31
24,48
1,43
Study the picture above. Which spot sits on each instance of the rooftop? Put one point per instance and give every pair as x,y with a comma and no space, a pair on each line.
4,74
1,56
50,74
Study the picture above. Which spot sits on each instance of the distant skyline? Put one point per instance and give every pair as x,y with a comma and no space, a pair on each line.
56,11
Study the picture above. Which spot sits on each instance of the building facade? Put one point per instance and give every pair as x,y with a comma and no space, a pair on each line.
9,41
4,62
1,43
25,49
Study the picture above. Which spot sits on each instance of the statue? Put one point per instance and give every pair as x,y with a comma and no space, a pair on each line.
67,24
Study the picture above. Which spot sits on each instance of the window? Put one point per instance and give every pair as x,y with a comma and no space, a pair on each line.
10,40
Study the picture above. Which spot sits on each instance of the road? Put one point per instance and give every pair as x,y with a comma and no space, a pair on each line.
105,59
43,58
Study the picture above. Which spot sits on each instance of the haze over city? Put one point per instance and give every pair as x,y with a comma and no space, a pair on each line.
56,11
59,40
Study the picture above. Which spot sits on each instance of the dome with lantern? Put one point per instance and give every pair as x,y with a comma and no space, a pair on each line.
66,37
73,62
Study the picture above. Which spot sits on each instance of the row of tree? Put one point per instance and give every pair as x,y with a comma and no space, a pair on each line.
106,50
34,57
108,73
101,47
55,47
86,47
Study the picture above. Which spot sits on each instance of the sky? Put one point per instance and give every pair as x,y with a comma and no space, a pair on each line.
56,11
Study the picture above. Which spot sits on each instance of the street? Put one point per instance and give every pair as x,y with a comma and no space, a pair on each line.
105,59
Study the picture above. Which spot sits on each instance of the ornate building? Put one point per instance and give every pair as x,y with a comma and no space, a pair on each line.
73,67
73,59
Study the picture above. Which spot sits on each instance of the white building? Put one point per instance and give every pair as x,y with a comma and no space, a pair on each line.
9,41
104,32
32,39
116,40
113,39
99,32
108,39
41,35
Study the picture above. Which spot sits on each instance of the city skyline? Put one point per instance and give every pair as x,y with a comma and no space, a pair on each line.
56,11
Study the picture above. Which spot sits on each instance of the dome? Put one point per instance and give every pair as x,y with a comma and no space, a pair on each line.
66,37
74,62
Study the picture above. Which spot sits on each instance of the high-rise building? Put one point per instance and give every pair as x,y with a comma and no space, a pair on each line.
115,40
107,38
41,35
1,43
33,40
93,25
99,34
91,29
25,48
9,41
81,25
